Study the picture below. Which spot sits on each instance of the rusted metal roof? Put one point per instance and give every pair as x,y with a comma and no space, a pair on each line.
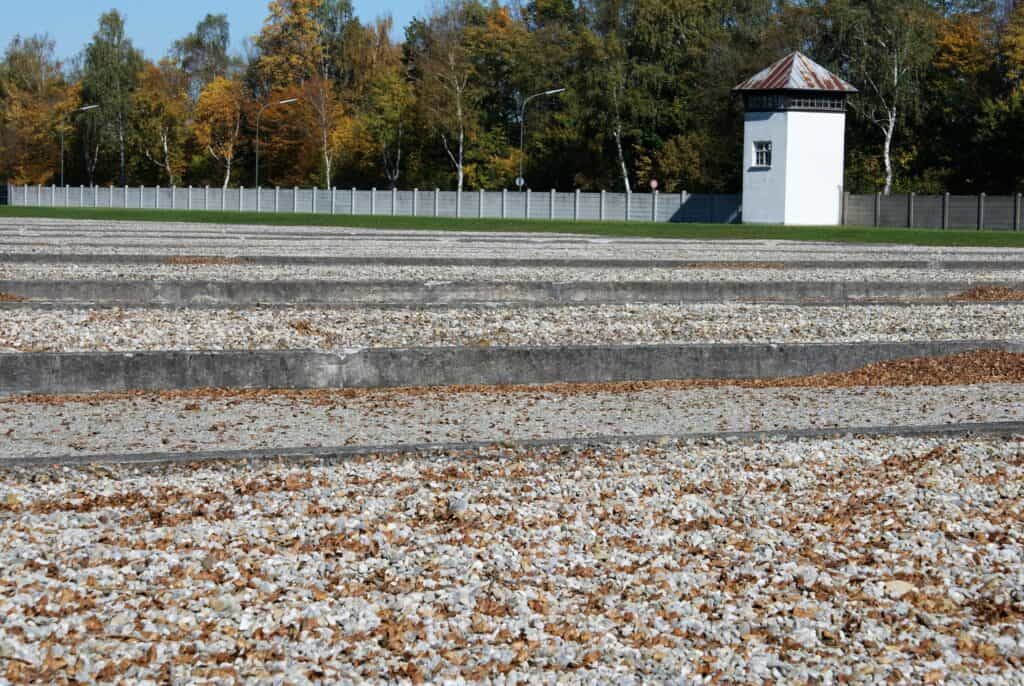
796,72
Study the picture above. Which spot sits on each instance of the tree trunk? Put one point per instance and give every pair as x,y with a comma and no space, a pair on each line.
165,136
889,130
227,172
327,160
622,158
120,144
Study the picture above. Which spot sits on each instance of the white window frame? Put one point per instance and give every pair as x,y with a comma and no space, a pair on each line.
762,155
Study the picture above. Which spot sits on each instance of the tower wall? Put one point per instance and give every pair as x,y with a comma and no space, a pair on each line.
814,169
764,190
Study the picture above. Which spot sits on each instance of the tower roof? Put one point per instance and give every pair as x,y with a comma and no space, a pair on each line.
796,72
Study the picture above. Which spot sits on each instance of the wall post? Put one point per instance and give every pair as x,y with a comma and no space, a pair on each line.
1016,211
352,202
846,207
334,200
188,200
458,203
314,200
156,200
504,203
480,207
415,201
629,204
437,201
551,204
394,201
878,209
601,210
910,209
981,211
654,205
945,210
576,206
527,210
373,201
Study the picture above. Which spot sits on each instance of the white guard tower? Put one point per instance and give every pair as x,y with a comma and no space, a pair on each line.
793,143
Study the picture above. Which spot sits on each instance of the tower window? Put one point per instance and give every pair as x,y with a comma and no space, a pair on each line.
763,154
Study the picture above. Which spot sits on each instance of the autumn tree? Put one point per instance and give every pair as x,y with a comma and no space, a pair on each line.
217,124
35,110
160,116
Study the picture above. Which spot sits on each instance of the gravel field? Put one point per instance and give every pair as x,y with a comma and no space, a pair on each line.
235,272
128,329
447,248
86,231
190,422
803,562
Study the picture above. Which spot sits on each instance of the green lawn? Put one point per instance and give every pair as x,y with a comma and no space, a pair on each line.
931,237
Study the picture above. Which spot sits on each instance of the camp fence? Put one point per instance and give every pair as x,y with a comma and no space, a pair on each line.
578,206
972,212
909,210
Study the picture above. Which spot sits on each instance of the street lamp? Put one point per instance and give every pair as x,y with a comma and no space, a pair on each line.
522,131
259,115
86,108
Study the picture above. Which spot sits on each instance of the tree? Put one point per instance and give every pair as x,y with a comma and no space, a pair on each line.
884,47
35,107
218,122
109,77
437,50
159,117
203,54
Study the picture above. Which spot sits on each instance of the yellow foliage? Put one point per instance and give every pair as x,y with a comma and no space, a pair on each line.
34,121
218,121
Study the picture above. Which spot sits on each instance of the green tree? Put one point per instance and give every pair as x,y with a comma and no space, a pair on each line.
203,54
110,74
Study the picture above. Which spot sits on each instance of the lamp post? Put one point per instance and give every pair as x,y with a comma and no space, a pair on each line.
521,182
86,108
259,116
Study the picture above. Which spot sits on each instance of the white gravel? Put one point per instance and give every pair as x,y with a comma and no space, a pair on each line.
855,561
303,328
155,424
230,272
17,235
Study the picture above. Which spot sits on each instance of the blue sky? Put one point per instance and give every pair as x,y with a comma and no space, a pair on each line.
154,25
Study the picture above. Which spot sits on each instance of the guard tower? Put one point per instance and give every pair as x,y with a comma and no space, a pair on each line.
793,143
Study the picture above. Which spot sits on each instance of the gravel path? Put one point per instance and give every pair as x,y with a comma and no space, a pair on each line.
298,328
234,272
850,561
604,249
153,424
141,233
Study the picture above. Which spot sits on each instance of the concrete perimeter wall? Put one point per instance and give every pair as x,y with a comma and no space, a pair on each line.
909,210
389,368
578,206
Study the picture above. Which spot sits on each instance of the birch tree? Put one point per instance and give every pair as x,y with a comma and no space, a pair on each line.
218,122
884,48
159,114
445,74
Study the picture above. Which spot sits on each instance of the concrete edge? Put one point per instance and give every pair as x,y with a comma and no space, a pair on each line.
330,455
70,372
